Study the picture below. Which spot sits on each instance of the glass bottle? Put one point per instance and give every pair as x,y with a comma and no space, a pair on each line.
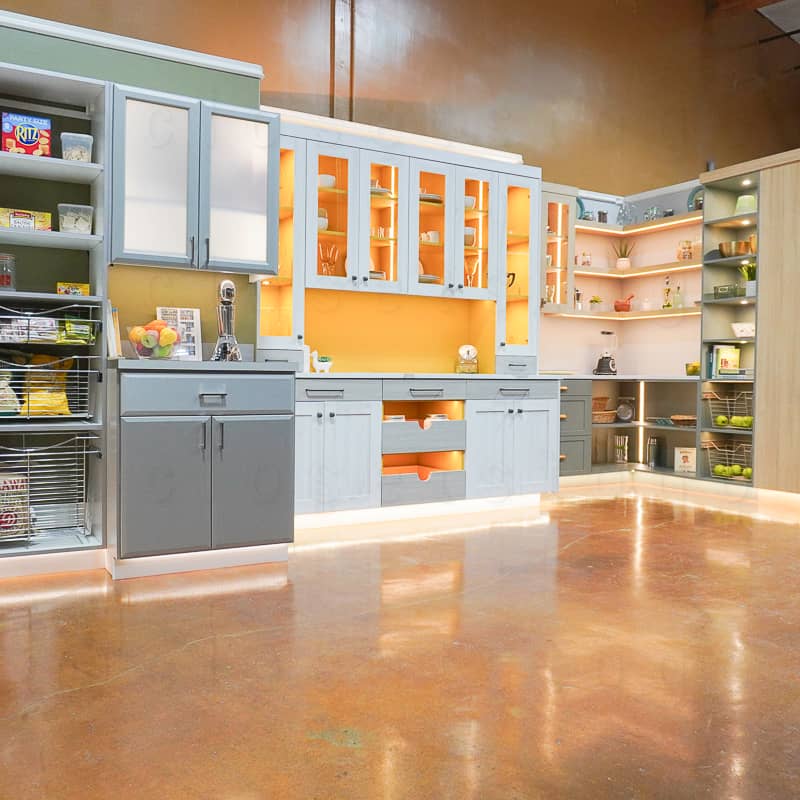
8,276
677,298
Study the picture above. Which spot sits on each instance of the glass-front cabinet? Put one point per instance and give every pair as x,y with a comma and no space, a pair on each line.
383,228
432,221
238,212
193,183
475,234
519,313
281,301
332,216
558,223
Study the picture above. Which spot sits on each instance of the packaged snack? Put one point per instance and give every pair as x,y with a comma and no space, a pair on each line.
9,404
45,393
14,504
66,287
26,134
25,220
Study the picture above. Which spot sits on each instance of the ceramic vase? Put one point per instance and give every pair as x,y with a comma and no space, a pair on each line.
623,264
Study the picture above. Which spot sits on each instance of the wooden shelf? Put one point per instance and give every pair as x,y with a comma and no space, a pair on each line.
430,244
730,261
381,241
275,280
330,234
729,301
734,221
323,190
734,431
645,425
517,298
381,201
53,239
640,272
475,213
626,316
475,249
516,238
48,169
552,238
729,380
731,340
663,223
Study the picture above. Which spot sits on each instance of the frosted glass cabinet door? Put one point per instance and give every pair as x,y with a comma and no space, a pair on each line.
239,189
156,178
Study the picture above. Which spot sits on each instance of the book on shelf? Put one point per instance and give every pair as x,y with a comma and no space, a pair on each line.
724,361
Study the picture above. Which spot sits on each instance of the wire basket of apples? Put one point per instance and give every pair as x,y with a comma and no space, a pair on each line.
154,340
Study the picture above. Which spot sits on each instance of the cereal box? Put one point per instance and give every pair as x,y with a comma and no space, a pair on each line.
25,220
25,134
67,287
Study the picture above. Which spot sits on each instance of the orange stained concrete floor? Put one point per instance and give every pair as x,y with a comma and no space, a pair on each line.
614,648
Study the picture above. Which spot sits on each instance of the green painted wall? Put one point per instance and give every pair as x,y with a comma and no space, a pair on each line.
92,61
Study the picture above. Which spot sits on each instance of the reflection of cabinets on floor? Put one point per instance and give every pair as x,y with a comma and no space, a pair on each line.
511,447
338,455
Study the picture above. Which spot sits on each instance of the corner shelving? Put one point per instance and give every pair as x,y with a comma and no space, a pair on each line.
640,272
662,223
626,316
48,169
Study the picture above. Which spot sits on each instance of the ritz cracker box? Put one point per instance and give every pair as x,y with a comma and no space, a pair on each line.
26,134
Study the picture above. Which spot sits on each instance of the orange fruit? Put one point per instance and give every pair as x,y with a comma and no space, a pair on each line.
156,325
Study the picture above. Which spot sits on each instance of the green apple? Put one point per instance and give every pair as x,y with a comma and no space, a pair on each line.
736,470
720,421
150,339
747,472
736,422
719,469
748,422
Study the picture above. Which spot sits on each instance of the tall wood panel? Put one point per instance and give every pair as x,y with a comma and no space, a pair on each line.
777,433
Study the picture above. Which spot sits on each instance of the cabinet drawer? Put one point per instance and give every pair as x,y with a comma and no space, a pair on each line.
512,389
408,437
576,456
205,393
424,389
402,489
576,416
572,388
333,389
515,365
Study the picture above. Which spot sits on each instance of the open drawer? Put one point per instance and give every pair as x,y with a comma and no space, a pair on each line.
416,483
423,436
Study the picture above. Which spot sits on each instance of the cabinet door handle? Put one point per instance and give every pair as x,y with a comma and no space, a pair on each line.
563,416
191,250
354,278
221,435
426,392
332,414
460,285
365,279
514,392
208,251
300,337
562,457
320,415
325,393
518,366
451,286
519,411
564,388
510,410
212,394
502,344
203,436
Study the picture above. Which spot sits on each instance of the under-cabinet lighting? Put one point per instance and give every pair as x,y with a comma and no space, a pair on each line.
745,263
746,182
643,274
745,222
744,302
641,227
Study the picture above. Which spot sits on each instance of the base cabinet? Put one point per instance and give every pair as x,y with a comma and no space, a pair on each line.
199,482
338,455
512,447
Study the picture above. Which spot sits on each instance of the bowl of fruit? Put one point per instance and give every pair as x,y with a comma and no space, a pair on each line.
154,340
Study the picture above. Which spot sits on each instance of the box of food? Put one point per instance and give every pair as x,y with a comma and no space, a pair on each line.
25,220
26,134
67,287
14,501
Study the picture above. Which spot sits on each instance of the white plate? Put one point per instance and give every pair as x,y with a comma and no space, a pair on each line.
379,190
430,198
429,279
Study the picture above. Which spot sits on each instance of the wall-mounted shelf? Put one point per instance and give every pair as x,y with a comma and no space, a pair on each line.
48,297
663,223
729,301
646,425
627,315
48,169
640,272
731,340
52,239
734,221
730,261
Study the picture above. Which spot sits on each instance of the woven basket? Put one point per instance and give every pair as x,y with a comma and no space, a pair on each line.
604,417
599,403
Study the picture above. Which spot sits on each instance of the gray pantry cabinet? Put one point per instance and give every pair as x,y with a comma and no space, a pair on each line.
195,184
199,475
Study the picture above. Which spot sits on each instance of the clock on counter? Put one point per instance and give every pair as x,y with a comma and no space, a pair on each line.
467,362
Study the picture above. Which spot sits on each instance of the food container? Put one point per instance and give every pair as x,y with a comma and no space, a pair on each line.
734,248
469,202
727,290
599,403
74,218
745,204
623,305
743,330
21,219
156,340
604,417
76,146
24,134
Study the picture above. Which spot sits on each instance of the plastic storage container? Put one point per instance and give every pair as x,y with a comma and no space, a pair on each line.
76,146
75,219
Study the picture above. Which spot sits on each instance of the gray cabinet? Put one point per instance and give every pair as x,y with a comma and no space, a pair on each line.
165,485
252,477
575,445
195,184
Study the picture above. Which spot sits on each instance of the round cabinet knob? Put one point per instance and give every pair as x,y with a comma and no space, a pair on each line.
502,344
300,337
332,414
562,457
354,278
510,410
365,279
519,411
460,285
319,415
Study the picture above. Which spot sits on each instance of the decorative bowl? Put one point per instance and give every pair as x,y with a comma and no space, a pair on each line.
734,248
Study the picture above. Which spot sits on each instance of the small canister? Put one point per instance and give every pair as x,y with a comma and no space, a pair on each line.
652,452
8,273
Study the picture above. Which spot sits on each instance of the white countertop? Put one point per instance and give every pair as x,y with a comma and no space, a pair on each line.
418,376
592,377
166,365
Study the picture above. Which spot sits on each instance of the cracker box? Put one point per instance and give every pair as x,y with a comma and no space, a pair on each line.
67,287
26,134
25,220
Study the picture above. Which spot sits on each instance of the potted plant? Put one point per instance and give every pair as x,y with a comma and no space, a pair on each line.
623,252
594,302
748,272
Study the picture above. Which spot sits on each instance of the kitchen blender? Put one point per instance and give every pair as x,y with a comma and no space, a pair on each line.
227,348
607,363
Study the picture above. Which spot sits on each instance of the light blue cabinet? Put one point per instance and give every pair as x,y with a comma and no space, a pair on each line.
195,184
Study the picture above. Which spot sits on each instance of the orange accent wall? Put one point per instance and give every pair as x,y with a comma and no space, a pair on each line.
385,333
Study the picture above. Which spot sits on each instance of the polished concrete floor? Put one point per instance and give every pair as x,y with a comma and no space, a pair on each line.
610,648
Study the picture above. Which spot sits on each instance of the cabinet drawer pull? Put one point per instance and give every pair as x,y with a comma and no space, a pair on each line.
520,366
221,435
564,388
212,394
325,393
514,392
562,457
563,416
320,415
426,392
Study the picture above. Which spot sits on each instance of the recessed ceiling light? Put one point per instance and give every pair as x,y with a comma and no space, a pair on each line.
746,182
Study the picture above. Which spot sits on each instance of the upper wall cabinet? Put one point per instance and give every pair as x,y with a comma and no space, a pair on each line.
475,235
195,184
558,222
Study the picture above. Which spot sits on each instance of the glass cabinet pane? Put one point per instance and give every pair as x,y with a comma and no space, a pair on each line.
431,269
333,181
157,177
384,222
476,234
556,265
277,291
238,190
518,233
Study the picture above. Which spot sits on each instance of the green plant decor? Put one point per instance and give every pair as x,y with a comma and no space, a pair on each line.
748,271
595,300
623,249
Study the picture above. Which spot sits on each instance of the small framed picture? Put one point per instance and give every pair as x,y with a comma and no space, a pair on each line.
685,459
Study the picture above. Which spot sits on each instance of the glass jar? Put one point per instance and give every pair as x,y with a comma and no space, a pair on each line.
8,273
